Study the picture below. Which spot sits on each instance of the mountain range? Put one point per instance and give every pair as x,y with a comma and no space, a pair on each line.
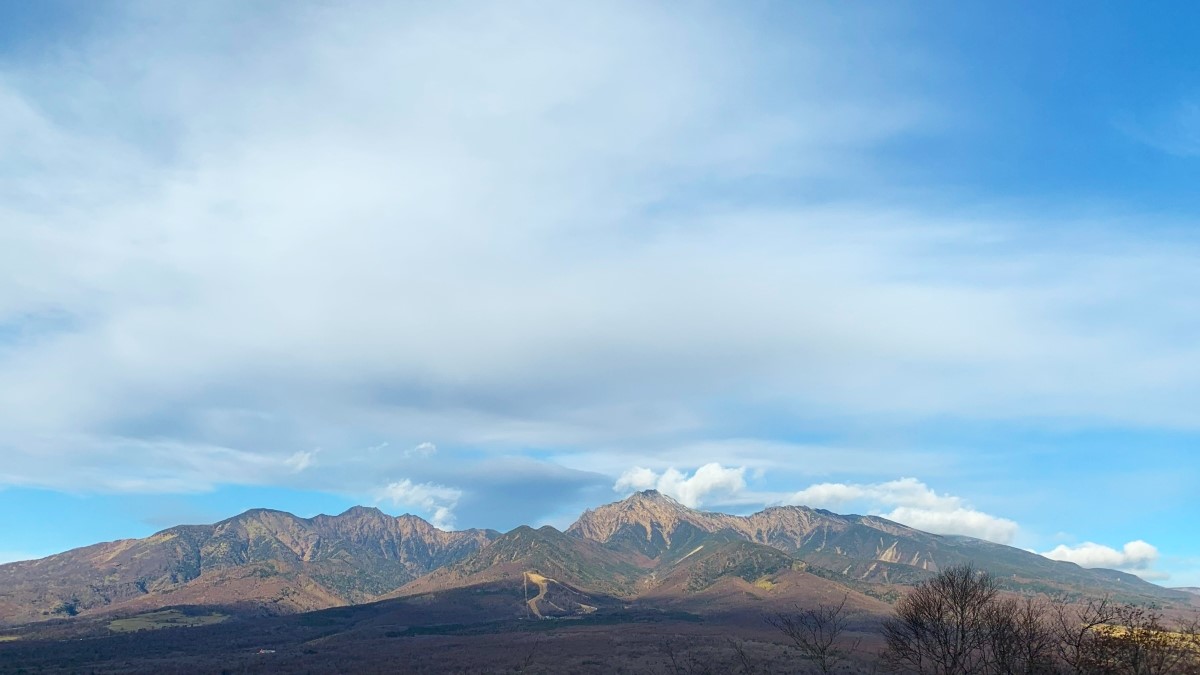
647,551
262,560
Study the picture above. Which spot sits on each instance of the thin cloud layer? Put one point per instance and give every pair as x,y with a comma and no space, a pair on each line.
1174,129
277,278
424,449
468,248
503,250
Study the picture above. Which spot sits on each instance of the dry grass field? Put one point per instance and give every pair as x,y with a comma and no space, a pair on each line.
169,618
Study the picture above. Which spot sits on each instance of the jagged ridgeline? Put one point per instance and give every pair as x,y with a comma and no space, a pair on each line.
855,548
646,549
268,560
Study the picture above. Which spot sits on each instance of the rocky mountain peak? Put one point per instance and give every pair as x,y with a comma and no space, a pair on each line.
651,502
652,496
649,512
361,512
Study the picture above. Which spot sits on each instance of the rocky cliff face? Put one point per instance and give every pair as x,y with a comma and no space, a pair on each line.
655,515
654,525
859,548
276,559
647,544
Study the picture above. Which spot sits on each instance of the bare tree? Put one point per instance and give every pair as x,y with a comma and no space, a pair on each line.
690,663
816,632
1020,640
1075,629
1188,632
1139,643
1101,637
957,623
745,663
942,626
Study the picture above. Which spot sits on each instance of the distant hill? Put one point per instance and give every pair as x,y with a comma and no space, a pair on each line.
646,551
262,560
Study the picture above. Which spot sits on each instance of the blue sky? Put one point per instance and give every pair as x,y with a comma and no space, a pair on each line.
496,263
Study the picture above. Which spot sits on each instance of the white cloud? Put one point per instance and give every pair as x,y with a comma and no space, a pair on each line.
636,480
437,501
425,449
710,482
913,503
302,460
1137,557
957,521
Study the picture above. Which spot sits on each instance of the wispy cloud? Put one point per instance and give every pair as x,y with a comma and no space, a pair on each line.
1174,129
549,237
302,459
378,234
424,449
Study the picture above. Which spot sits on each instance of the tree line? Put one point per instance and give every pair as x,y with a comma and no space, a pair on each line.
961,623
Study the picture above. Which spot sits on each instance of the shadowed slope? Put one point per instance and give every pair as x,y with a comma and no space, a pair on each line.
271,561
274,559
858,548
578,562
